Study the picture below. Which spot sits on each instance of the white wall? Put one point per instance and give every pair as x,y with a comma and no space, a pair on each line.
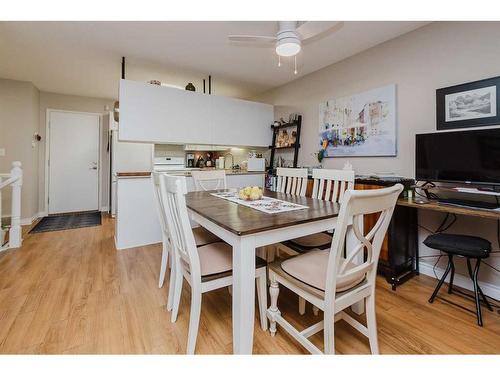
438,55
18,123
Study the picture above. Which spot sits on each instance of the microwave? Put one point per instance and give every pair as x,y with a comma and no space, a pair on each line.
256,164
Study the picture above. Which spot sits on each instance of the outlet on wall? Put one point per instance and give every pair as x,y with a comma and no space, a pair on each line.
2,152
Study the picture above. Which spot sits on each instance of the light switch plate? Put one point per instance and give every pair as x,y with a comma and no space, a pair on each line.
2,152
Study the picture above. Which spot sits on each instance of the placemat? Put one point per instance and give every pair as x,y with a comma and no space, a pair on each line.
266,204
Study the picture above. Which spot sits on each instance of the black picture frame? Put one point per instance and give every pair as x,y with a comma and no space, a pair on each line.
442,124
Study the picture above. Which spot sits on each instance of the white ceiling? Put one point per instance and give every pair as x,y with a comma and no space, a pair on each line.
83,58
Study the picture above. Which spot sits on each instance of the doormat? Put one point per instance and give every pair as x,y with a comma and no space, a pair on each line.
67,221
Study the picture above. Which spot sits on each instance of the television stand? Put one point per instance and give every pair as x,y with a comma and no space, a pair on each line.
469,203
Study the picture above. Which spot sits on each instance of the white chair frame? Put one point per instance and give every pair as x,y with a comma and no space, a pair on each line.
217,178
354,206
342,180
187,262
166,246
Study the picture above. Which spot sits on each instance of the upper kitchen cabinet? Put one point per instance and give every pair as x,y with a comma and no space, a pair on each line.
158,114
241,122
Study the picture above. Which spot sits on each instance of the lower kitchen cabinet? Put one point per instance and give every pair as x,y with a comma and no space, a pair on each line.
136,214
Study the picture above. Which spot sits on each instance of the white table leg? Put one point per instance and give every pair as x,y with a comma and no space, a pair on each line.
351,241
243,295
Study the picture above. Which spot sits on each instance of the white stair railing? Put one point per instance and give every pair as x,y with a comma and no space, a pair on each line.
15,180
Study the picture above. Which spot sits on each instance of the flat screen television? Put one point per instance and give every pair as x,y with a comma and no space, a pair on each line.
471,157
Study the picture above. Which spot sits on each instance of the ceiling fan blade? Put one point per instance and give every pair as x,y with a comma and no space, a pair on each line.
252,38
310,29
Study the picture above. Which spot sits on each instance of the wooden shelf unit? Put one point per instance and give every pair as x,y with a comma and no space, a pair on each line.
284,147
295,146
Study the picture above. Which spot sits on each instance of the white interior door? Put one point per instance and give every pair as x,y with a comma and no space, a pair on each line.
73,162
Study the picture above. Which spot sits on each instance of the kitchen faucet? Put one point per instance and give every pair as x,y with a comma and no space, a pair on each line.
232,160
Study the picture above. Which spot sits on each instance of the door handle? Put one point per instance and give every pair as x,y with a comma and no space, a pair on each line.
93,168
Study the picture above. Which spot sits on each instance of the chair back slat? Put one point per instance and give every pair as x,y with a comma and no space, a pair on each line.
289,183
315,188
292,181
335,192
328,190
294,185
341,191
321,189
356,204
173,190
209,180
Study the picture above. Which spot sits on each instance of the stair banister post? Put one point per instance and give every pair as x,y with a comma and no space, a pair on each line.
15,234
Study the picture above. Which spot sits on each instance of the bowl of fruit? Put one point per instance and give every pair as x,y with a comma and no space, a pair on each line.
250,193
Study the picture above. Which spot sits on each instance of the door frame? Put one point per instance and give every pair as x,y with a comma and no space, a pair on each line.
47,155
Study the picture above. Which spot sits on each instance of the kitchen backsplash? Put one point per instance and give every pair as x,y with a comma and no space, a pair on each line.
240,154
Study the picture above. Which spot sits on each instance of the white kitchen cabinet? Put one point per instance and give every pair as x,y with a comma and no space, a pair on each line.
241,122
137,221
158,114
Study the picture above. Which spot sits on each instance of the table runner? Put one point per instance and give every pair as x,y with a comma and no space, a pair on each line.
266,204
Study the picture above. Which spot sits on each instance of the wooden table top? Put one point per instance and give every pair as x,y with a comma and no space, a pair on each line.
436,206
243,220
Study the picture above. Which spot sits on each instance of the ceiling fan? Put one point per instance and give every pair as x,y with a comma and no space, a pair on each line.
290,36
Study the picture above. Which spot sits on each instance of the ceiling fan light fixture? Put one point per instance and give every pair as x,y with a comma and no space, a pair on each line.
287,47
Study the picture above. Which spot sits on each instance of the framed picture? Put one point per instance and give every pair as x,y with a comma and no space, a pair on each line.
363,124
468,105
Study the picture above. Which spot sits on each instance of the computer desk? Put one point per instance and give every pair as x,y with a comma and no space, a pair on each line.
434,205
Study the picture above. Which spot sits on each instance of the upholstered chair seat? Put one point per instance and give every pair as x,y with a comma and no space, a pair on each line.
204,237
316,240
311,269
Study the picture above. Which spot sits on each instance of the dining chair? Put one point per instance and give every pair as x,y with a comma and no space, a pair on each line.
329,185
209,180
205,268
331,282
201,235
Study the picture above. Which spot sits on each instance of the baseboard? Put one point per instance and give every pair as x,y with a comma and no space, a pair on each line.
461,280
31,220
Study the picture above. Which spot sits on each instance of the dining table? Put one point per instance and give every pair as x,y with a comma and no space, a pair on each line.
246,229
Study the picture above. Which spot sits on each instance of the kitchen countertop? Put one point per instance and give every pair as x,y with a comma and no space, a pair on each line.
229,172
187,173
134,174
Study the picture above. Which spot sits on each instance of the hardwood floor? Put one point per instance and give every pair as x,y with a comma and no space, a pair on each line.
72,292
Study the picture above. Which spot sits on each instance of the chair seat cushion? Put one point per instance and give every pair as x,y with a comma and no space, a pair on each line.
316,240
457,244
217,258
310,268
203,236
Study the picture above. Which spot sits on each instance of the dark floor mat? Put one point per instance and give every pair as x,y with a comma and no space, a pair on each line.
67,221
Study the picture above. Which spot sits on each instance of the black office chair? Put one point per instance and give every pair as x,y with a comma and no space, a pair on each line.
469,247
